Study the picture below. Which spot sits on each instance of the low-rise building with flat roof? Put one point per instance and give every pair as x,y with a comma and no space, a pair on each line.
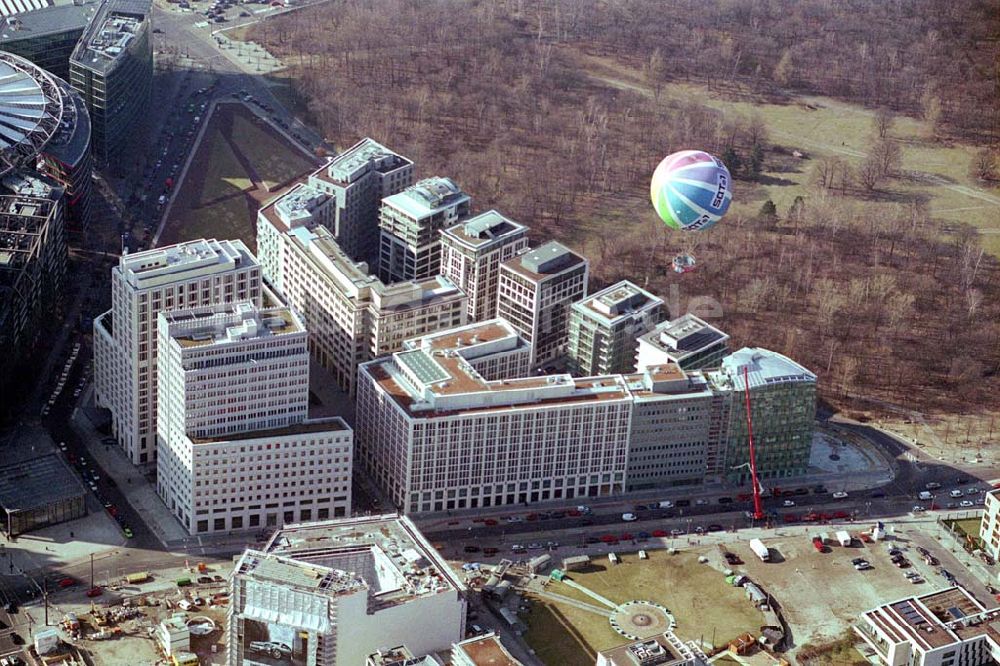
662,650
942,628
338,592
37,491
603,328
484,650
688,341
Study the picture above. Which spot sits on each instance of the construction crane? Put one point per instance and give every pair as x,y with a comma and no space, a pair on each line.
758,510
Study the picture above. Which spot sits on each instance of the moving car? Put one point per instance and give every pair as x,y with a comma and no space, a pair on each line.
840,494
629,517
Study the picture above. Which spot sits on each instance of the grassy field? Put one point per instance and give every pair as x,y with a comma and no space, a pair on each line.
563,635
937,173
273,158
966,526
239,164
703,605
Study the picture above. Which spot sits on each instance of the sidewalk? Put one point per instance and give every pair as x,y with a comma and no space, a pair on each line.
137,491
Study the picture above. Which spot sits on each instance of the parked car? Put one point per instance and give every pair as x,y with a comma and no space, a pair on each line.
472,549
629,517
840,494
732,558
788,503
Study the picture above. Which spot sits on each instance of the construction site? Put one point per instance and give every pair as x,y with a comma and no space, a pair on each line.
139,619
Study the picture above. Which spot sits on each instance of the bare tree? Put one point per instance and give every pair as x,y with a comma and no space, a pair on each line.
984,165
870,173
883,120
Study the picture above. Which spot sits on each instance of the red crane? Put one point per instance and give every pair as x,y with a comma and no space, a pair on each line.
758,511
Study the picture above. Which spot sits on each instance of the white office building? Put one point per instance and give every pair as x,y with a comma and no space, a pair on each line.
989,526
688,341
603,328
411,224
356,181
351,315
186,275
471,254
535,292
943,628
334,593
557,437
237,450
536,438
680,425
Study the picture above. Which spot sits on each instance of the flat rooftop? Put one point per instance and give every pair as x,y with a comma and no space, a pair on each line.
357,160
428,385
486,651
685,336
427,197
485,230
397,563
618,302
35,481
184,261
662,650
552,258
331,424
31,19
23,221
230,322
937,619
111,33
462,337
273,568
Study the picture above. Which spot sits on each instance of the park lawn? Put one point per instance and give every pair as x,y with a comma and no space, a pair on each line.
968,526
212,201
820,127
563,635
223,176
275,160
704,606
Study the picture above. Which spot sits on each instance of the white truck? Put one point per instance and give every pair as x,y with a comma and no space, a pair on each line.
843,538
760,550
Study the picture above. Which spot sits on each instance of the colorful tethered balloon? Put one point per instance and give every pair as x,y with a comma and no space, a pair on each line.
691,190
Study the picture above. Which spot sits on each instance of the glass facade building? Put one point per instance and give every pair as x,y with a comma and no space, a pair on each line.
112,69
